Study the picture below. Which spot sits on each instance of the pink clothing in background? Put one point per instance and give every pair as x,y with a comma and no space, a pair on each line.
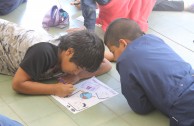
137,10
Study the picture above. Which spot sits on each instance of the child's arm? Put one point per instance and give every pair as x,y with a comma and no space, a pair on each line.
22,83
109,56
104,67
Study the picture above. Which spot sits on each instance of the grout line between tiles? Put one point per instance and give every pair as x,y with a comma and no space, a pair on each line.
172,40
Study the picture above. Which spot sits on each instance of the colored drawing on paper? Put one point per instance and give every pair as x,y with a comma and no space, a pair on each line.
88,93
85,95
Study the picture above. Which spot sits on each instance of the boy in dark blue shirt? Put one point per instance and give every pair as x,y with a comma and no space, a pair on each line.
152,75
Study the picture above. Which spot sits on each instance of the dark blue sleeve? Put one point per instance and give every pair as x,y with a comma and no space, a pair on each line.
133,92
89,13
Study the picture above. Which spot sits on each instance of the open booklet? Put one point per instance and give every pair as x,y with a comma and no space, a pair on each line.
88,93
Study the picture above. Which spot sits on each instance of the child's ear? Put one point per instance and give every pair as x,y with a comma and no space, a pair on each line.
123,42
70,51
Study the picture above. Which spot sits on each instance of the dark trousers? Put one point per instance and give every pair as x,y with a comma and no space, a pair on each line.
89,12
165,5
7,6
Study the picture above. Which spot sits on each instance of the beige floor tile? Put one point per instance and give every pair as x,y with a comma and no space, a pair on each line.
153,119
8,94
33,108
4,78
93,116
110,81
55,119
115,122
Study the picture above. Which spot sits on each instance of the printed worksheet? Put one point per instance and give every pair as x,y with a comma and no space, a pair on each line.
88,93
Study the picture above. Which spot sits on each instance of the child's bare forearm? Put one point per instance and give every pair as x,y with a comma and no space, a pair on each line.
35,88
104,67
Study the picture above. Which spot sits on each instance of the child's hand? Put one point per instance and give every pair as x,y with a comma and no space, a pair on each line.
63,90
70,30
76,3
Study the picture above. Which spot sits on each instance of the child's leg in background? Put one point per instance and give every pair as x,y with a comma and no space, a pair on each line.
89,12
102,2
8,6
168,5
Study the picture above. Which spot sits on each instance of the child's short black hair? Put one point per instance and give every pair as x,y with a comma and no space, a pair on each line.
88,49
121,28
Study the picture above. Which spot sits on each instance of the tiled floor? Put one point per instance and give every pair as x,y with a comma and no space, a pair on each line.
177,29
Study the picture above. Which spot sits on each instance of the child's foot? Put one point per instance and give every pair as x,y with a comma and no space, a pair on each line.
77,4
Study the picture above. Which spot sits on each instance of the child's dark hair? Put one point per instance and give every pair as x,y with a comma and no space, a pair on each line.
88,49
121,28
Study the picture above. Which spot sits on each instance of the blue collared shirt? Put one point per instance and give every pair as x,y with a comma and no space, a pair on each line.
152,75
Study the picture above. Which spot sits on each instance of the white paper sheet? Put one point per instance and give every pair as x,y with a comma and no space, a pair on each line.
88,93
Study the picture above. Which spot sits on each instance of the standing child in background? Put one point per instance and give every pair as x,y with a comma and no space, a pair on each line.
109,10
152,75
30,57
